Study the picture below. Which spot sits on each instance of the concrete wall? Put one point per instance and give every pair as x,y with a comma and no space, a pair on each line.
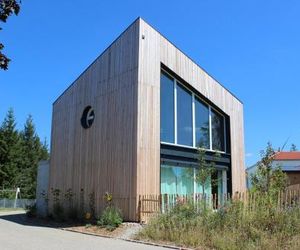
42,186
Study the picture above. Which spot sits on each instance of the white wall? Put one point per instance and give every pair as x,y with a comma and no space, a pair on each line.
286,163
42,185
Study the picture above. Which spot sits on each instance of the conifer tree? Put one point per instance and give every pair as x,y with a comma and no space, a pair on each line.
31,155
10,149
44,154
20,153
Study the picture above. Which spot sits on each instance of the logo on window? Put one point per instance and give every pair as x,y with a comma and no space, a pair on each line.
87,117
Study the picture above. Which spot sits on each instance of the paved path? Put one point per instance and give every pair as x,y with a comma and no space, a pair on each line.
16,233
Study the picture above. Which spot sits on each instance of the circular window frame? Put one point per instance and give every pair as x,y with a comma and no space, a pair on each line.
87,117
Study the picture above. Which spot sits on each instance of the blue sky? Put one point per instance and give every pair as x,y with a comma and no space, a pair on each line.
251,47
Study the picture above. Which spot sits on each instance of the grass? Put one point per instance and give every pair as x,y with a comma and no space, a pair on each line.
233,227
3,209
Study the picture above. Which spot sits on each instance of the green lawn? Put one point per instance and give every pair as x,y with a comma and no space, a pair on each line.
4,209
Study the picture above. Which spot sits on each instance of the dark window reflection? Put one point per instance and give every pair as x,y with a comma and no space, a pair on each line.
167,109
217,126
184,117
202,124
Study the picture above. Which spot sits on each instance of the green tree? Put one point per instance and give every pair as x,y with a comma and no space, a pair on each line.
204,170
293,148
7,8
44,151
268,178
32,151
10,147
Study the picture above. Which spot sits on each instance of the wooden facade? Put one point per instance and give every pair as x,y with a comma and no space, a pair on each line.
120,153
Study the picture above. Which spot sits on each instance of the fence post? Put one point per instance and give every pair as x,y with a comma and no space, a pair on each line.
166,202
139,209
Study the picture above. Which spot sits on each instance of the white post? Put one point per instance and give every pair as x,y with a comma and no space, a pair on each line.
17,192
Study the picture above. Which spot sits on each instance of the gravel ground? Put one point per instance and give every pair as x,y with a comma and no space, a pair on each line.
125,231
16,232
131,230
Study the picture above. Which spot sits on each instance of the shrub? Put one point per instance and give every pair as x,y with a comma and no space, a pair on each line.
72,213
110,218
232,227
71,210
58,210
31,210
92,205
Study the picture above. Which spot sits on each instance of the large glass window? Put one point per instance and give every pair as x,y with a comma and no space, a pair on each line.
180,180
217,127
167,109
202,124
207,186
176,180
184,117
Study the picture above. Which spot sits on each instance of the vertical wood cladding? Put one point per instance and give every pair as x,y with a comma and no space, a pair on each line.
154,50
120,152
103,157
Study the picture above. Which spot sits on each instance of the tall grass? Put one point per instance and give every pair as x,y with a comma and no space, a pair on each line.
235,226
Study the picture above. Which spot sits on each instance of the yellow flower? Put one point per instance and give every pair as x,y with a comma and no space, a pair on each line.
87,216
108,197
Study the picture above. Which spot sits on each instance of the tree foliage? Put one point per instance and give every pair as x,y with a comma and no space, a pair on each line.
10,145
204,170
20,152
293,148
7,8
268,178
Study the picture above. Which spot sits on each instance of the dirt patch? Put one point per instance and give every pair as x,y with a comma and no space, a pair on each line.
124,231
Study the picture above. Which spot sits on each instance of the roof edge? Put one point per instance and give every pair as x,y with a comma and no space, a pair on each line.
192,61
135,20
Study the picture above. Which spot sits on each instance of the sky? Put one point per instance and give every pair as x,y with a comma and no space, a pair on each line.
251,47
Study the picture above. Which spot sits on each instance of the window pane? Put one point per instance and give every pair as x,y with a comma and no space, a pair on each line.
202,124
167,109
176,180
207,186
217,127
167,180
184,117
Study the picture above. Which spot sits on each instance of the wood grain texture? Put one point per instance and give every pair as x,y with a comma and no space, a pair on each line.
154,49
120,153
102,158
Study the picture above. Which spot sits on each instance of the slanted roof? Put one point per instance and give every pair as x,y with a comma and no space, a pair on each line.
283,156
287,156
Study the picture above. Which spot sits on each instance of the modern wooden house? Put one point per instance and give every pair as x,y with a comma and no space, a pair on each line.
131,123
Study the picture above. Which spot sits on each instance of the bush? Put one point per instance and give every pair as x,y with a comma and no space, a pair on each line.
31,210
232,227
72,213
110,218
58,212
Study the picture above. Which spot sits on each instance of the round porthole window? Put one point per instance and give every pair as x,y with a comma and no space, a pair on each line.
87,117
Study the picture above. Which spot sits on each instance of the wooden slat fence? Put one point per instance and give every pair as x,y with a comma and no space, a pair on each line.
152,205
